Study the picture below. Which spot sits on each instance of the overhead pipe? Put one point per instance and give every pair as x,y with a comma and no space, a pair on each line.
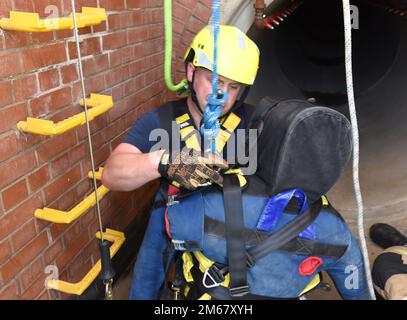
259,16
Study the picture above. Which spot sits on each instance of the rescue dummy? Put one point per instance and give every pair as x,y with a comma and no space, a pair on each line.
390,267
290,232
302,151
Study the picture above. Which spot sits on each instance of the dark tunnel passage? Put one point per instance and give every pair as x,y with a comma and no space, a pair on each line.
304,58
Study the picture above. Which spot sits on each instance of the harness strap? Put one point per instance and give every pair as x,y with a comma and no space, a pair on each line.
171,193
185,128
197,289
191,135
236,250
287,233
297,245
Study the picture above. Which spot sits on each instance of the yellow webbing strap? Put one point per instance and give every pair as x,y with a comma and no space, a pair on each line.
240,176
314,282
181,119
190,135
204,264
221,140
187,266
230,123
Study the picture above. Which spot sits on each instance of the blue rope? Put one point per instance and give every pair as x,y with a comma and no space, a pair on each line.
216,13
210,127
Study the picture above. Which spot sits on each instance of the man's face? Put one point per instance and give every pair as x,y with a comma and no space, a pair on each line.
203,87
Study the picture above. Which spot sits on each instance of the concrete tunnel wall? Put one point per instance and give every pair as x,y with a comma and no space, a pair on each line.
288,68
124,57
303,57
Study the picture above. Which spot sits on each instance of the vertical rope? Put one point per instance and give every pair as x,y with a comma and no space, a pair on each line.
355,134
216,13
210,127
75,30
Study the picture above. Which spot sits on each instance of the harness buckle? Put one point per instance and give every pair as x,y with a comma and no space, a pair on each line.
215,275
171,200
239,291
176,290
250,261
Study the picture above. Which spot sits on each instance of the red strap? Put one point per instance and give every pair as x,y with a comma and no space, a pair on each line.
309,266
167,223
172,190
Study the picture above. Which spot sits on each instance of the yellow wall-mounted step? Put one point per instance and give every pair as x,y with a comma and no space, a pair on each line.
58,216
30,21
97,173
78,288
98,104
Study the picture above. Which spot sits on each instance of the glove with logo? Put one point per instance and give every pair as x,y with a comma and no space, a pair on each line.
190,169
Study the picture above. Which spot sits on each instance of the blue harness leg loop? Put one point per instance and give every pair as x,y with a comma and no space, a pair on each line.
275,208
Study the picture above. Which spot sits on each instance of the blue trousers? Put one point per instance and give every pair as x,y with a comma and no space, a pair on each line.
149,270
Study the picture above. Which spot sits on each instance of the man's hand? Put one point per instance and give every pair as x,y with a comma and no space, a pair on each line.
190,169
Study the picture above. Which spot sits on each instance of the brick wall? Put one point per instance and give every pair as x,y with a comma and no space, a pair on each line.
122,57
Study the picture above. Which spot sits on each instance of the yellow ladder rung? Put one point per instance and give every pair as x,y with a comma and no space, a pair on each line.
31,22
58,216
99,104
78,288
98,174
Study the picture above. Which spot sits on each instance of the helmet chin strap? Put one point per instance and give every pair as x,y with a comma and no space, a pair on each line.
242,99
193,95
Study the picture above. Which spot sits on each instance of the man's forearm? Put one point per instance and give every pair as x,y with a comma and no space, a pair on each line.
129,171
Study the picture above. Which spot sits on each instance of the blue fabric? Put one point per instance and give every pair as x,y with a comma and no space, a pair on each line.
277,274
149,273
275,207
193,233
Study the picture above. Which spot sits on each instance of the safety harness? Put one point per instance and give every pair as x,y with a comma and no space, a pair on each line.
190,136
207,279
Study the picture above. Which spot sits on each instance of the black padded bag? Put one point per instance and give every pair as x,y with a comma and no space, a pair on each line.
300,145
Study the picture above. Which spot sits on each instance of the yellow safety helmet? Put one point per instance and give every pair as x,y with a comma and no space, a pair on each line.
238,55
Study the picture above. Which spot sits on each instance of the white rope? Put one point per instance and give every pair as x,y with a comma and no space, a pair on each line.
355,134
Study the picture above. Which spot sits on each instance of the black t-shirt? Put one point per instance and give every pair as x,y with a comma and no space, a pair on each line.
139,133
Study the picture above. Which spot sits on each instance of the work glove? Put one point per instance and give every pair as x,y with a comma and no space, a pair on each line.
190,169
